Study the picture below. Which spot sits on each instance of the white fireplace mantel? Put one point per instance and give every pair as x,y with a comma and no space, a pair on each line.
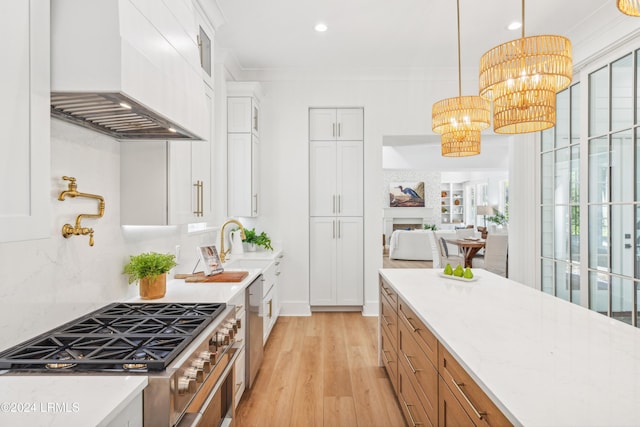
406,216
408,213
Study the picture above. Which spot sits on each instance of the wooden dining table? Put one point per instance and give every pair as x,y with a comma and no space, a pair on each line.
469,248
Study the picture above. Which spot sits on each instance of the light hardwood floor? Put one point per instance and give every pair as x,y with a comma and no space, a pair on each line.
321,370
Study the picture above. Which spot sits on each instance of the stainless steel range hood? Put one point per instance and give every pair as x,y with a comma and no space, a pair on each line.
127,68
116,115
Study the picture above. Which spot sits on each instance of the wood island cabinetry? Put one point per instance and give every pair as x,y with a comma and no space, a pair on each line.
432,387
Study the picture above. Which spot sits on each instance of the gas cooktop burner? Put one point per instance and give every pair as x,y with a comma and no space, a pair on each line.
117,337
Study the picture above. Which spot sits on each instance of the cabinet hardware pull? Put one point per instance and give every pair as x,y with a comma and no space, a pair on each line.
406,405
414,370
386,359
238,385
408,322
333,209
479,414
338,129
339,204
386,291
270,308
199,198
385,320
278,273
338,228
334,228
333,132
255,211
239,307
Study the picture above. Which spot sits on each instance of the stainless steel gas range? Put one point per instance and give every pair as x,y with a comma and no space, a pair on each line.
185,349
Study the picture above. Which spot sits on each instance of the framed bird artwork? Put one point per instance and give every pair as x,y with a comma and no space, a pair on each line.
406,194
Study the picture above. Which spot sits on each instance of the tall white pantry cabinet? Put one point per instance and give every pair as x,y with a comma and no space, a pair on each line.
336,186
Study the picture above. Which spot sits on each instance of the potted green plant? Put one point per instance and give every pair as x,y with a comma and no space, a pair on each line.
150,269
429,227
253,239
498,219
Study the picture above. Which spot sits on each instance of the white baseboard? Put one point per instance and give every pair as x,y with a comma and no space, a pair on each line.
295,309
371,308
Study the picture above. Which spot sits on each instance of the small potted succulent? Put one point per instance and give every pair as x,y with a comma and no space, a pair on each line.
150,269
253,239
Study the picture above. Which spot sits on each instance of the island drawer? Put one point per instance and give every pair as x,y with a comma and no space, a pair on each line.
420,370
410,405
468,393
423,336
388,292
389,358
389,320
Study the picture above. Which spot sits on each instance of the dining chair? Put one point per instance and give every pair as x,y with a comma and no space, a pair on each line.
446,258
496,250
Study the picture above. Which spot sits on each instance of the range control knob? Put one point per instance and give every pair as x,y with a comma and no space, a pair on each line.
210,355
202,364
186,384
232,326
194,373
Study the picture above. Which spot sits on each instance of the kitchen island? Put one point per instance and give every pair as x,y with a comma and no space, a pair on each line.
542,361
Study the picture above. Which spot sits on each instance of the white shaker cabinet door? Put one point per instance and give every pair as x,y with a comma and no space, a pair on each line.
323,260
322,124
350,178
240,176
239,114
25,181
349,124
323,198
350,261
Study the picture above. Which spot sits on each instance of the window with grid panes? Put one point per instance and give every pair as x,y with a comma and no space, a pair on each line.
560,199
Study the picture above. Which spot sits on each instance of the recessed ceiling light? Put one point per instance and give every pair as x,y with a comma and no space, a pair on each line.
321,27
171,129
514,25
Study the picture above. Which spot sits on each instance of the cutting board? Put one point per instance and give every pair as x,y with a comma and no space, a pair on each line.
225,276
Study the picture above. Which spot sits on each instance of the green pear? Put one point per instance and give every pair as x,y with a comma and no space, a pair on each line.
458,272
467,273
448,270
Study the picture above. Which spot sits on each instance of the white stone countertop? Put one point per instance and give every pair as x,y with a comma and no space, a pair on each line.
180,291
542,360
65,401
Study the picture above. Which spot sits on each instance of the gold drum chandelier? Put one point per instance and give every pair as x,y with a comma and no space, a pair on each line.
629,7
522,78
460,120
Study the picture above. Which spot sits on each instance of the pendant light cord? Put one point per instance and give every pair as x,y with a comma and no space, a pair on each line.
522,18
459,67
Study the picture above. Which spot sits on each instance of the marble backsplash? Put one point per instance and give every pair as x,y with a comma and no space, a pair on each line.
46,282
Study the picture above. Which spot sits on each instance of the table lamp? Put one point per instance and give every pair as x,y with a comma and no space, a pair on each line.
484,211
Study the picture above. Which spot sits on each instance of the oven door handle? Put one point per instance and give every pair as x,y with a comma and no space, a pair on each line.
191,419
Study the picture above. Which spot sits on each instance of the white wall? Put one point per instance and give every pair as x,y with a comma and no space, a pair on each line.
50,281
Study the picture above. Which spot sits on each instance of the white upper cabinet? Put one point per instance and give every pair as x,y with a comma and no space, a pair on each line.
243,175
205,35
243,149
341,124
25,188
243,108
